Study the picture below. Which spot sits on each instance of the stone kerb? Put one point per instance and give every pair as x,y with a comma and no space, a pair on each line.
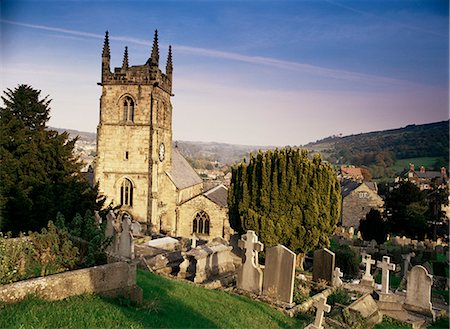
279,273
418,291
111,279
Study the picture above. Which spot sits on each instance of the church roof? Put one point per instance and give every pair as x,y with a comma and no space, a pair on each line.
219,195
182,174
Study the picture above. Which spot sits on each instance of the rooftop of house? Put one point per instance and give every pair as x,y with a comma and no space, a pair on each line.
347,186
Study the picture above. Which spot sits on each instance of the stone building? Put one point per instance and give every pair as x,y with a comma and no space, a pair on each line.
357,200
136,166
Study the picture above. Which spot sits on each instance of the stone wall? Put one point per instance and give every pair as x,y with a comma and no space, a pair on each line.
357,205
218,218
111,280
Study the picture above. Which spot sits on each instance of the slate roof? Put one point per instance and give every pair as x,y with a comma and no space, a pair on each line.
218,195
347,186
182,174
429,174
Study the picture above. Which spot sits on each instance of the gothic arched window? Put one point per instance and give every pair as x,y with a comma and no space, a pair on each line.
200,224
128,109
126,193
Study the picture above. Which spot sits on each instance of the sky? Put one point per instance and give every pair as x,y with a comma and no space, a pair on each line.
245,72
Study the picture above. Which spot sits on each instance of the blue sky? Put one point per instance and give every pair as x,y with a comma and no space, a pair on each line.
245,72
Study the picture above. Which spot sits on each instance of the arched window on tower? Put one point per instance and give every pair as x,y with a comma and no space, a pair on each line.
126,193
200,223
128,109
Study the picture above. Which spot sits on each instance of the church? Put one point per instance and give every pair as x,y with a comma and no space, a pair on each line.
137,167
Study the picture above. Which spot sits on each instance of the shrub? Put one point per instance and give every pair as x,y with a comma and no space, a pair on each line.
347,260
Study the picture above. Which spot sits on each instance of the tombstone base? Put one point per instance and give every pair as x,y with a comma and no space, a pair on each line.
367,282
427,312
312,326
389,298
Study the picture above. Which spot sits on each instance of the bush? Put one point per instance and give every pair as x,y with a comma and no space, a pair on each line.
339,296
347,260
38,254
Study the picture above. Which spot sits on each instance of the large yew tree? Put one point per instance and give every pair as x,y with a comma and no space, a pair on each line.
38,172
286,198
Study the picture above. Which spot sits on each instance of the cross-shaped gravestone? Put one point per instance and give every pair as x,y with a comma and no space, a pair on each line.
369,261
385,266
249,275
337,275
193,241
252,246
321,307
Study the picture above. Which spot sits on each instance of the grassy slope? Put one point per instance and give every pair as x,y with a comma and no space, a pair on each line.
167,304
403,164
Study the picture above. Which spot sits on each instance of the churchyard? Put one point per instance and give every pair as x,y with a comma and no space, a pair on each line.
401,283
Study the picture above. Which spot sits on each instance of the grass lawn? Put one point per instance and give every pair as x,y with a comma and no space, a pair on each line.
167,304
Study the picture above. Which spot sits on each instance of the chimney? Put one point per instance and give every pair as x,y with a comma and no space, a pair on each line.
443,172
411,167
422,169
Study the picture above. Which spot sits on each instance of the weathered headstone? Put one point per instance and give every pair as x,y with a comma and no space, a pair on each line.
323,265
418,291
385,266
407,262
337,275
250,275
112,232
98,218
136,228
194,241
351,232
126,244
321,307
279,273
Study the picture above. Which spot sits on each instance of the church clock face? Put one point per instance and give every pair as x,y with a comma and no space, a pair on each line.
161,152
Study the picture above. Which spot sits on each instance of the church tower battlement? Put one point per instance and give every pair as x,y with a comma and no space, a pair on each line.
147,74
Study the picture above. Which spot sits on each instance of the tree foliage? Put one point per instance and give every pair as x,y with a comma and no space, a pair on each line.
286,198
39,174
373,227
408,206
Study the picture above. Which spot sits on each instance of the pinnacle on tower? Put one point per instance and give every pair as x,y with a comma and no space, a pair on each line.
169,65
125,59
155,50
106,52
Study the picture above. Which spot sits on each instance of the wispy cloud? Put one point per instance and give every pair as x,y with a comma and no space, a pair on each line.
232,56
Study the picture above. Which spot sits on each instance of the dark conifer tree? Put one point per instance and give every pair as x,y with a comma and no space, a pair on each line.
38,171
295,202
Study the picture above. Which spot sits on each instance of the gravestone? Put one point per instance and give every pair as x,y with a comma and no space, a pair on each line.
351,232
321,307
337,275
323,265
112,232
194,241
418,291
407,262
126,244
367,279
98,218
279,273
385,266
249,274
136,228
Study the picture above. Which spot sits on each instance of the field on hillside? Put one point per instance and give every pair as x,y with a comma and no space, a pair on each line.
167,304
403,164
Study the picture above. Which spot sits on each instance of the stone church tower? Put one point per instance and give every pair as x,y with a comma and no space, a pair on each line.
136,166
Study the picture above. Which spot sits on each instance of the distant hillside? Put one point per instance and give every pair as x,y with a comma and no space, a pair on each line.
384,148
382,151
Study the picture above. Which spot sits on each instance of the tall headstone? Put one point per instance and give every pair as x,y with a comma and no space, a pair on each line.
194,241
337,275
323,265
407,262
279,273
418,291
321,307
112,232
250,275
126,244
385,266
367,279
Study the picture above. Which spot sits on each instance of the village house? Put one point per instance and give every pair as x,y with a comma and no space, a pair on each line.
351,173
427,180
358,198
